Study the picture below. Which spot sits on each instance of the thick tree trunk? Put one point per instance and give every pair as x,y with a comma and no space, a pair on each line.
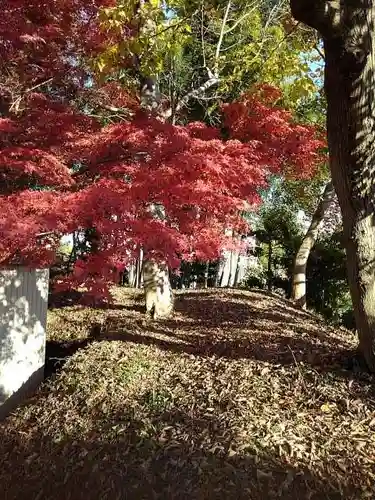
149,98
242,269
348,31
158,291
302,256
228,267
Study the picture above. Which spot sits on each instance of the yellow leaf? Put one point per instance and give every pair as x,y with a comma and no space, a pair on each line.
327,407
101,65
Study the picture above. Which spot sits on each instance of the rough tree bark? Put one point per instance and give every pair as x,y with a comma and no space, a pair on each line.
347,29
302,256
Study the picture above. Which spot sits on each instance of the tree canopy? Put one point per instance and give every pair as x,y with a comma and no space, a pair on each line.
79,153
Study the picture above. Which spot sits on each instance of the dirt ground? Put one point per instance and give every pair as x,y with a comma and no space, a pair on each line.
239,396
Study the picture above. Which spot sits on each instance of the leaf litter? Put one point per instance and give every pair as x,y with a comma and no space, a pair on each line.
239,395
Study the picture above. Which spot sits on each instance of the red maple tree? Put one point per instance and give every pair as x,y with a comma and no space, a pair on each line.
45,45
130,172
172,190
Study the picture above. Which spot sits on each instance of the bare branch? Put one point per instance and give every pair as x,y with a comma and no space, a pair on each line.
285,38
233,45
208,98
221,37
239,21
17,102
113,109
213,80
319,51
202,35
47,233
270,17
172,25
117,112
213,76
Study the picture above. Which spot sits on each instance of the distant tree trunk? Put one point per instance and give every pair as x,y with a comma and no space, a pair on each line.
348,32
238,270
206,274
135,271
302,256
228,266
182,277
269,266
122,278
219,272
226,269
138,273
242,267
73,254
187,275
233,267
132,274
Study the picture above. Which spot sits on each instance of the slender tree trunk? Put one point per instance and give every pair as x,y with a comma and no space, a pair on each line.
206,274
237,273
73,253
133,274
348,32
219,271
225,276
187,275
233,268
302,256
242,268
269,267
136,274
137,277
139,266
234,256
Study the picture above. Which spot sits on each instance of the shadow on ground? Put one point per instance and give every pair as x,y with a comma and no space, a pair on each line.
262,327
91,435
69,298
207,324
139,467
59,352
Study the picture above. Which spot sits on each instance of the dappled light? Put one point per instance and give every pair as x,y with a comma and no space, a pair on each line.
225,324
23,307
239,395
162,165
